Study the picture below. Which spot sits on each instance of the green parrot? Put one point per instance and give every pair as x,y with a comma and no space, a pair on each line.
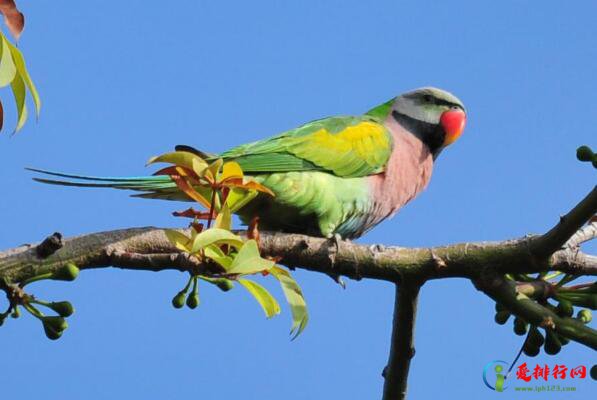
337,176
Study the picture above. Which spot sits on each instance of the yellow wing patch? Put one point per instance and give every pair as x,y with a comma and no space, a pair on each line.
357,150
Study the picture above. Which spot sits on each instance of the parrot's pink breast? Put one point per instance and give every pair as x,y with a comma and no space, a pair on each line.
407,173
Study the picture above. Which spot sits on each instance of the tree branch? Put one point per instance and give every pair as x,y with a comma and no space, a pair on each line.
583,235
402,349
466,260
506,293
568,225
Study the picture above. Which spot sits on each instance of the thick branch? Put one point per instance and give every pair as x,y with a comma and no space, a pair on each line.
402,348
124,248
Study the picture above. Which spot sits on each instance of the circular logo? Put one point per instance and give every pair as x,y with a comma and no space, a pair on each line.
494,375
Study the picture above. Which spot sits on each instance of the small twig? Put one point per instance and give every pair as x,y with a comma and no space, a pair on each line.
402,349
574,262
211,208
583,235
504,292
554,240
538,289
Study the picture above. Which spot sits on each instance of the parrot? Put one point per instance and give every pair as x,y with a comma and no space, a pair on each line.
335,177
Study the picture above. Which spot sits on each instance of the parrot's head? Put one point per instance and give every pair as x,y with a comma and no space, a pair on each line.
433,115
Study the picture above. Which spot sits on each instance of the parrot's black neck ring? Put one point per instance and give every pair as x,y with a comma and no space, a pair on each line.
432,135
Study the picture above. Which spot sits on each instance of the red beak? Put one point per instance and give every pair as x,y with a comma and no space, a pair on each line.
453,122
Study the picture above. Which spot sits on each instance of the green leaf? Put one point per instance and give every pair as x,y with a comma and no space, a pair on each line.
19,92
267,302
216,254
178,239
19,62
294,297
215,236
238,198
8,69
224,219
249,261
212,170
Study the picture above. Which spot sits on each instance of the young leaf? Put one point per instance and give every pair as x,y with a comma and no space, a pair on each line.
216,254
13,18
248,185
196,229
188,189
249,261
224,219
18,90
212,170
238,198
294,297
231,170
8,68
264,298
180,240
182,159
19,62
215,236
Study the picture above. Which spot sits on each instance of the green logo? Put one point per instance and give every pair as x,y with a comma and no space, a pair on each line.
497,367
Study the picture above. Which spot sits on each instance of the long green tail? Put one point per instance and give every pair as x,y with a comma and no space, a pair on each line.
153,187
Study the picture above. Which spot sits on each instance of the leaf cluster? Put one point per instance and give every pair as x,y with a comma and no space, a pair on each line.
222,189
13,70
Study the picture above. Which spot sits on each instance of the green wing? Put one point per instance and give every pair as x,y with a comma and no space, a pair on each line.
344,146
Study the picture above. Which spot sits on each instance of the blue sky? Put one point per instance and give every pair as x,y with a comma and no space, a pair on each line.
122,82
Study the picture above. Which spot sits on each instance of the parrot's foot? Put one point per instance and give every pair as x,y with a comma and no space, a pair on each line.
333,250
334,247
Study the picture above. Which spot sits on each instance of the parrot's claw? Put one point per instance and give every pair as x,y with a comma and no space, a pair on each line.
334,248
338,279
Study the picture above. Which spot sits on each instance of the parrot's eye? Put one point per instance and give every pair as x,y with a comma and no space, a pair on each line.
427,98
